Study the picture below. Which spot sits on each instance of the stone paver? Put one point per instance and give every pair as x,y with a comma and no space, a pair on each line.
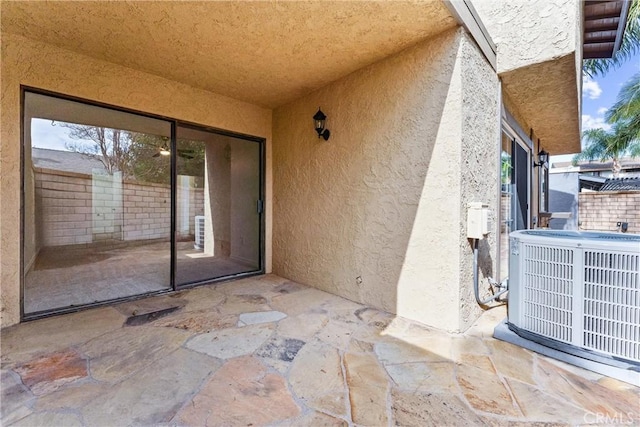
198,321
431,409
47,373
435,377
368,389
316,419
119,353
241,393
268,351
20,342
229,343
153,395
14,398
260,317
485,391
536,404
316,377
74,396
279,352
302,326
47,419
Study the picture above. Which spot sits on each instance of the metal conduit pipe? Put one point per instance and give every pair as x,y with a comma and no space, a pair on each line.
476,280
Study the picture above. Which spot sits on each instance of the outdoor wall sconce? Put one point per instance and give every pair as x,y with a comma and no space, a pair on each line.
165,151
543,157
319,121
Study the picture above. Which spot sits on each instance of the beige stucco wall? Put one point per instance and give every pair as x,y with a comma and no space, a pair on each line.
479,178
539,45
44,66
377,213
530,32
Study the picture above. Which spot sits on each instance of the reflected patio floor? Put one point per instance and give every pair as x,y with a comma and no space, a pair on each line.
64,277
268,351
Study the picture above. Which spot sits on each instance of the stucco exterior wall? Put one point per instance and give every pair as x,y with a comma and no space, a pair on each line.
47,67
479,172
539,61
376,213
530,32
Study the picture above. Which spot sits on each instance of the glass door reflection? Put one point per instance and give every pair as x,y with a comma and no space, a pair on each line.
217,206
97,202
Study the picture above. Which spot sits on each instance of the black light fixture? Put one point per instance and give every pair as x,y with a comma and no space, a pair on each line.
543,157
319,120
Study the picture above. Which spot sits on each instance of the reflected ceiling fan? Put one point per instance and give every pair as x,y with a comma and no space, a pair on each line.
164,151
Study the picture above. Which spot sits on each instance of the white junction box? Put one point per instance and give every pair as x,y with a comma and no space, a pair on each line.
477,220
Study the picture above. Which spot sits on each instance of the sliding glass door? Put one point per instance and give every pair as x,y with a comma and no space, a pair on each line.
218,206
515,170
102,212
96,221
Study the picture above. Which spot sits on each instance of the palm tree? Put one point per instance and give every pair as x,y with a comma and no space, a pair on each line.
606,145
627,107
629,46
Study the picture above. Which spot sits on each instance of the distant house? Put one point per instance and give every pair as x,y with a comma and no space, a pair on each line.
66,161
621,184
630,168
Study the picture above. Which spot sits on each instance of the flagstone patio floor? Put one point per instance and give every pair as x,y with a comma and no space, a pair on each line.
268,351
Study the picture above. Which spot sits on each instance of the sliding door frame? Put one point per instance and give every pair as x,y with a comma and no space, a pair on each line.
173,213
261,201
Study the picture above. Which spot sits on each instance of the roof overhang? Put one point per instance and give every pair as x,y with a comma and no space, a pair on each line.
263,52
546,95
604,25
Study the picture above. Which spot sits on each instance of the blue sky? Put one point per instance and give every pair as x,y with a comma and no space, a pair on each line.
45,134
599,94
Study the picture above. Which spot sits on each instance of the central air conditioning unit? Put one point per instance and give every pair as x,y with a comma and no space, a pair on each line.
577,292
199,243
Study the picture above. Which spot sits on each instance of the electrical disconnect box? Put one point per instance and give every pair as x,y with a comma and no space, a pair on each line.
477,220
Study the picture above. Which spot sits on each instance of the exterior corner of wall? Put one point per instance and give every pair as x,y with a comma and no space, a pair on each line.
479,172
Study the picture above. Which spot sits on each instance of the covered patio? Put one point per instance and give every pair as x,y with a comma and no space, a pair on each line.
269,351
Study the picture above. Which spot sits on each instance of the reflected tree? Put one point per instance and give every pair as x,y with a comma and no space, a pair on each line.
151,166
137,155
109,146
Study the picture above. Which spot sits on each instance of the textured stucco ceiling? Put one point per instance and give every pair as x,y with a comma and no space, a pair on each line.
267,53
546,94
